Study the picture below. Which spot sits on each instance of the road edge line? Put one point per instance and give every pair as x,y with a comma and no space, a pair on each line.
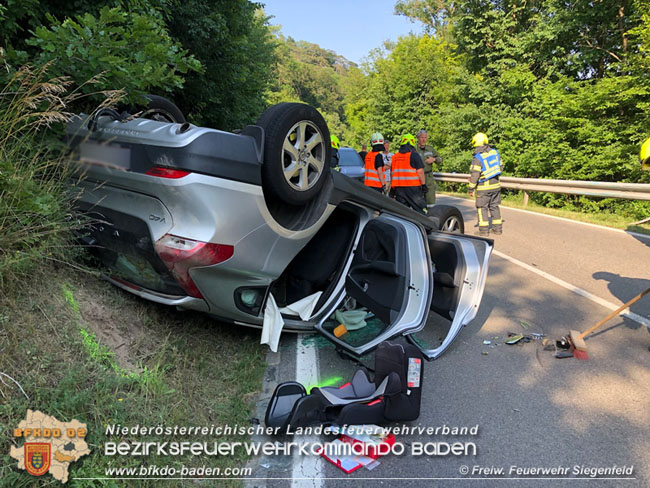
307,374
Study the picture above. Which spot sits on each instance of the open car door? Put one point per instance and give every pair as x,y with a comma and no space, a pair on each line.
392,285
460,269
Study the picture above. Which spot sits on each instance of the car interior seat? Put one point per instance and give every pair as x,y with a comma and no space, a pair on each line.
446,278
393,393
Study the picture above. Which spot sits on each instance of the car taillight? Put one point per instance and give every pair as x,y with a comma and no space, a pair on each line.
180,255
170,173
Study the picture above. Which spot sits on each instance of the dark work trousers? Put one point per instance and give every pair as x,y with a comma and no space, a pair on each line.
411,196
487,205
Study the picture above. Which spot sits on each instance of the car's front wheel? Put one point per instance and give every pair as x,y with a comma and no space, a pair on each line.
297,151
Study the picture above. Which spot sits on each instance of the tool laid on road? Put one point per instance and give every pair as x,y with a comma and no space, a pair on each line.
577,339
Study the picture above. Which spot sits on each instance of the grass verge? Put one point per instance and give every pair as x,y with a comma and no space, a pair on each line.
605,219
82,349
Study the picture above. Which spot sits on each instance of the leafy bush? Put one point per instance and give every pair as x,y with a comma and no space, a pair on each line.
133,51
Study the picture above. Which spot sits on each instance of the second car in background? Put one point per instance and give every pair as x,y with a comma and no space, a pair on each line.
351,163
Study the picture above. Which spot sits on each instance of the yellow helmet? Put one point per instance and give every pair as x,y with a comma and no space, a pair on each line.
479,139
408,139
335,142
644,155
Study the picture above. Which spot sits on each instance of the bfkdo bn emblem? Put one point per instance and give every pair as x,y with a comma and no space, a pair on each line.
37,457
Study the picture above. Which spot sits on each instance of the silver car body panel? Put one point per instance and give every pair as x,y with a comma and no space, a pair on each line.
214,210
141,131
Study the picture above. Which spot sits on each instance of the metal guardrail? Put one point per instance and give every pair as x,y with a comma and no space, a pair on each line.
602,189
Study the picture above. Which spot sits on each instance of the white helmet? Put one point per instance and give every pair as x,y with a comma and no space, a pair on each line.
376,138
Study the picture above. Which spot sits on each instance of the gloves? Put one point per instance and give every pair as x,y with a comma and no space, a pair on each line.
425,189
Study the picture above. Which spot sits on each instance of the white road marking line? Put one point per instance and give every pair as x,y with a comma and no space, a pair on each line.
578,291
310,467
635,234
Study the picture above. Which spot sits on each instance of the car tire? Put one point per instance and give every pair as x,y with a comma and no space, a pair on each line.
162,109
294,170
451,220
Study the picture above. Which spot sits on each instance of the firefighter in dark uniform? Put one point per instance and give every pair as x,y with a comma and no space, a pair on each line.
407,181
644,155
429,156
374,164
484,183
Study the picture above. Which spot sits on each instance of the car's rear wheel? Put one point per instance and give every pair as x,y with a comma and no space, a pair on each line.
296,152
162,109
451,220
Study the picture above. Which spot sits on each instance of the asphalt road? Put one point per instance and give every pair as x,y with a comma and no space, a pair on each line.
532,410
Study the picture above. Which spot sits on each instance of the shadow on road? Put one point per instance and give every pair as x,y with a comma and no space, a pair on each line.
633,230
620,287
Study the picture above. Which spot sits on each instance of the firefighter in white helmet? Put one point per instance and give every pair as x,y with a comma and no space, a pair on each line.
374,164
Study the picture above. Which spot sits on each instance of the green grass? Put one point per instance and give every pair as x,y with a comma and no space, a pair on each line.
606,219
85,350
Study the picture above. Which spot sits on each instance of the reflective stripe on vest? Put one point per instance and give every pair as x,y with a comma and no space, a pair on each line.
402,174
487,186
490,164
371,173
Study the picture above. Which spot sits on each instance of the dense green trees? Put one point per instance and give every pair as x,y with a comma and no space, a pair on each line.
307,73
561,86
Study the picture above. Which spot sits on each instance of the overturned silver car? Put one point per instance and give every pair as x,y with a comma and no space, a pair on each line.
221,222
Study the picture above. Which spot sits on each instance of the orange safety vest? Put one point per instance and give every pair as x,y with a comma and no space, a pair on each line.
372,174
402,173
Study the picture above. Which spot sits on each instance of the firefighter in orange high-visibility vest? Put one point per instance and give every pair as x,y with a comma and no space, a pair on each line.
374,164
407,180
484,183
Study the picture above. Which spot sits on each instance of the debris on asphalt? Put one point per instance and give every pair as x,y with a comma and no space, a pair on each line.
561,354
548,344
486,342
485,353
562,343
525,325
514,339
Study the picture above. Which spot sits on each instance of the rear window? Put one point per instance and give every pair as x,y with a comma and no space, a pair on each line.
349,157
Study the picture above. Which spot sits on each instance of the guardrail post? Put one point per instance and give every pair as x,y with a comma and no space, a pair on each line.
526,196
